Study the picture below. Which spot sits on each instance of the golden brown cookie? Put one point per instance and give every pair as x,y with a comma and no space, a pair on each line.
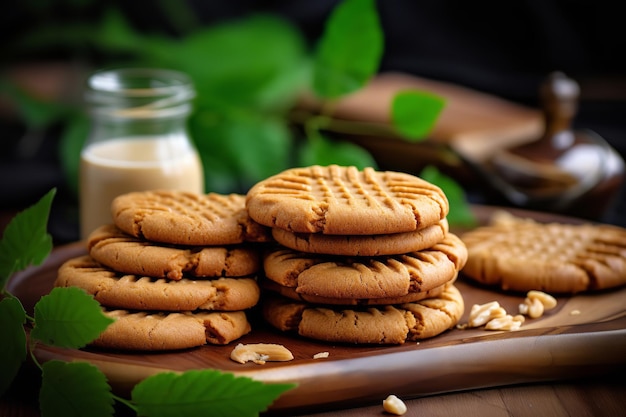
338,200
158,331
125,253
522,255
291,293
367,277
363,245
184,218
135,292
391,324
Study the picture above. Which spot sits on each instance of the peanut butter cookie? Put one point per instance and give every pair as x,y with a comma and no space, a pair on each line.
367,277
184,218
363,245
521,255
338,200
125,253
159,331
135,292
390,324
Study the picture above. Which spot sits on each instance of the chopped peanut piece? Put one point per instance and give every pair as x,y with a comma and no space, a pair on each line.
532,308
548,301
536,303
480,314
507,322
394,405
320,355
260,353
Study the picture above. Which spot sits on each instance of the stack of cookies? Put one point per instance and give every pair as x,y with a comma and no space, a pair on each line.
176,270
360,256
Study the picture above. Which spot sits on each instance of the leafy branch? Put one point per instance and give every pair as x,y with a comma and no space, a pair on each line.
70,318
249,73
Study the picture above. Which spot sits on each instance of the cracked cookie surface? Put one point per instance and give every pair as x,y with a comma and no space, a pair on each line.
367,277
185,218
159,331
118,290
389,324
125,253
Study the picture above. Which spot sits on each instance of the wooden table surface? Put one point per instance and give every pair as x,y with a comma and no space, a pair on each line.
598,396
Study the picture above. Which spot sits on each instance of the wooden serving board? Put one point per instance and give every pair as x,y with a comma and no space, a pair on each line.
584,335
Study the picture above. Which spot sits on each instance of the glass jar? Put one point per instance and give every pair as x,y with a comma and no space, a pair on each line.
138,140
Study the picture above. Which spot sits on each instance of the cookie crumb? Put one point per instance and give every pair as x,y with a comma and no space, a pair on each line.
394,405
260,353
321,355
574,313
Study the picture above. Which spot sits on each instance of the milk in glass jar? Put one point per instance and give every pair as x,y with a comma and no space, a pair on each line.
138,140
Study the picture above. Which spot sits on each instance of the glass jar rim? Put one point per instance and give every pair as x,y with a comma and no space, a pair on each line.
139,81
139,93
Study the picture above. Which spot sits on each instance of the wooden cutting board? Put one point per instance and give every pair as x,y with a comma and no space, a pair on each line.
584,335
473,124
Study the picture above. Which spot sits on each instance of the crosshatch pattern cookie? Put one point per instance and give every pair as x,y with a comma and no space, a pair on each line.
363,245
125,253
339,200
289,292
158,331
522,255
185,218
367,277
123,291
391,324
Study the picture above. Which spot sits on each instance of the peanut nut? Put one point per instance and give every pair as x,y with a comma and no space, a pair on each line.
480,314
394,405
507,322
535,303
260,353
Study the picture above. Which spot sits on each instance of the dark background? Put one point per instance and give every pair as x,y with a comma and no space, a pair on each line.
502,48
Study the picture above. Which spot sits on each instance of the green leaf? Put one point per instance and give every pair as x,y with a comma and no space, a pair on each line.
318,150
240,149
414,113
74,389
72,140
115,34
26,240
258,61
13,346
350,49
204,393
460,211
69,318
37,113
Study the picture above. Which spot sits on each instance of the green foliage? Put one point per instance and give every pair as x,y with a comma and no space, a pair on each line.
460,212
231,160
324,151
74,389
248,73
349,52
13,347
25,240
68,318
414,113
36,113
71,143
204,393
